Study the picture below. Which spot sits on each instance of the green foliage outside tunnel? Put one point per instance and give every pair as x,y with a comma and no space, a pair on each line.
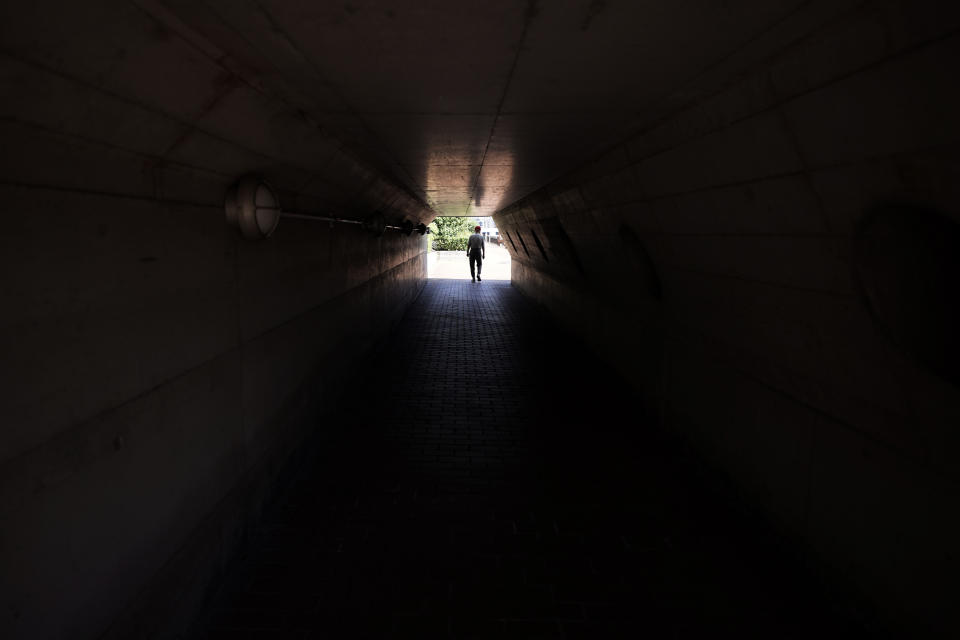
451,233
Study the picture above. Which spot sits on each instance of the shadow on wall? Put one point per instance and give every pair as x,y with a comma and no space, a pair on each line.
641,264
561,242
907,267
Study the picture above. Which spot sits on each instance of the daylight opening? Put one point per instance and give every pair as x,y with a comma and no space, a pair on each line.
448,246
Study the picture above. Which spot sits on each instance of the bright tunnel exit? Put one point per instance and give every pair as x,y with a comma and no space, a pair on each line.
448,256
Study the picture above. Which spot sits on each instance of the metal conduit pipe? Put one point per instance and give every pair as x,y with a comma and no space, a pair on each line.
252,206
419,228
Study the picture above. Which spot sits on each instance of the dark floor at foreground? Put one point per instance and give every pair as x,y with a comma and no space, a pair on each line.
498,483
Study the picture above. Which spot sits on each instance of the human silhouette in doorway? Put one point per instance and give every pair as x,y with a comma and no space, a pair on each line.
476,252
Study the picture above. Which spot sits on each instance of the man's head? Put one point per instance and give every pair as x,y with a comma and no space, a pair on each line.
476,229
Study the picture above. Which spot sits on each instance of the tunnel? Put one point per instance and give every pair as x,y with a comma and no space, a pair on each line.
718,395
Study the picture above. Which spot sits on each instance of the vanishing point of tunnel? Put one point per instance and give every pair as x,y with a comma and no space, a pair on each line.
708,385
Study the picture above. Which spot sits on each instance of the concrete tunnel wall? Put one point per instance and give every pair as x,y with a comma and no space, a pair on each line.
712,259
158,369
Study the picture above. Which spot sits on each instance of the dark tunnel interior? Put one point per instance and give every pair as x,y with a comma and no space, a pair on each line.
719,395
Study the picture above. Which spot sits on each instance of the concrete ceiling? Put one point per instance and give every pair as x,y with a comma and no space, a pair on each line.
473,104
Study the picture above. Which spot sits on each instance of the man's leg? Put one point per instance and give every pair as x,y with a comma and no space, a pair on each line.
479,265
473,258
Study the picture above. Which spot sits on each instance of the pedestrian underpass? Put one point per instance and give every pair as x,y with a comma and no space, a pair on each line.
720,390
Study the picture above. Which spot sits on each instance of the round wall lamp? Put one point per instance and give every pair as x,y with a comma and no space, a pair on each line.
252,206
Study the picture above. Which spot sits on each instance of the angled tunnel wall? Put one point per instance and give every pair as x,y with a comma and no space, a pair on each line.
712,258
159,369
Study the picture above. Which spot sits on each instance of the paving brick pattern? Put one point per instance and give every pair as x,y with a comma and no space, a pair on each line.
491,480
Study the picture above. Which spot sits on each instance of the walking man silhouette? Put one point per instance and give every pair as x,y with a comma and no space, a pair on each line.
476,251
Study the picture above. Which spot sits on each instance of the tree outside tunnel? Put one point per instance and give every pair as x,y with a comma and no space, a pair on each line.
451,233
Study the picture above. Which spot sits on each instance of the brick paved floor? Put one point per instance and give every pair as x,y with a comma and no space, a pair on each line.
493,481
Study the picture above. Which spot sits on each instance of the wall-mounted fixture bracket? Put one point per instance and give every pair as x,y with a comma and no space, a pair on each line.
252,207
375,223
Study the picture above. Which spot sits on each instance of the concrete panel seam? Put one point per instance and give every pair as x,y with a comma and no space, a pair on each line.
892,448
316,70
108,194
192,126
172,379
776,106
527,20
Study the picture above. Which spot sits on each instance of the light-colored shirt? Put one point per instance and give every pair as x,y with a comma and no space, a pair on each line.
475,242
